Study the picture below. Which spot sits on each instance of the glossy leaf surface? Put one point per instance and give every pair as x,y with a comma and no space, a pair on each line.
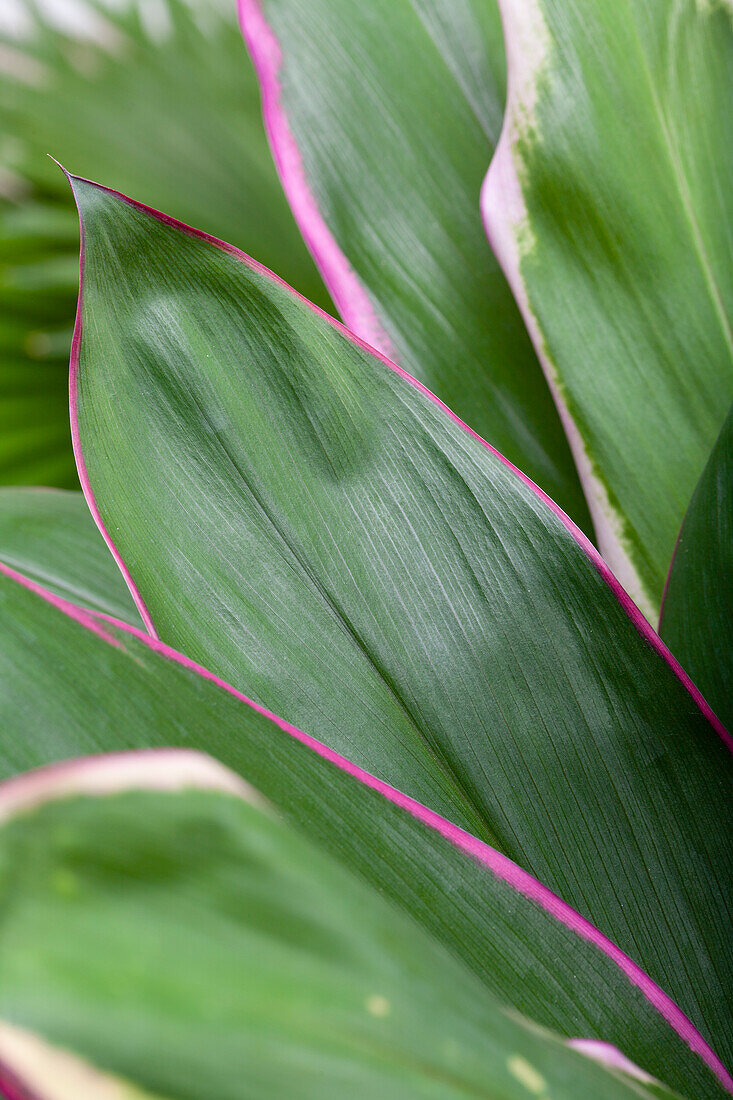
50,536
171,108
190,941
382,118
609,206
697,614
303,519
81,685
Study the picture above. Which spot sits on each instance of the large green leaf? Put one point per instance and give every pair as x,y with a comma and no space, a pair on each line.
195,944
697,619
382,118
49,535
70,683
174,114
313,526
609,206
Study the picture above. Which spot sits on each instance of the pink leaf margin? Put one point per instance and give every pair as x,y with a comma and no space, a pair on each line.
12,1087
637,618
348,293
494,861
81,467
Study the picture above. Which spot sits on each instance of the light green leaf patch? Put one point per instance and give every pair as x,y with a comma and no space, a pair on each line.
190,942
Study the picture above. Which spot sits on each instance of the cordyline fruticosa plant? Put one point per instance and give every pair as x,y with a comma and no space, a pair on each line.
379,781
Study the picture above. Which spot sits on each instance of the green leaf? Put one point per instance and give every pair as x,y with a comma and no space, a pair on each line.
191,941
609,207
314,527
175,115
71,684
50,536
382,118
36,319
696,618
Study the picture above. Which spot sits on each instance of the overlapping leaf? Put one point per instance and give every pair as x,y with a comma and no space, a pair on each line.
70,683
382,118
190,941
49,535
173,111
608,204
306,521
697,619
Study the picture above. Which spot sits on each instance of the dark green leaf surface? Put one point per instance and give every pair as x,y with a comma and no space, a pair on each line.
175,114
67,689
196,945
305,521
37,244
383,118
609,204
50,536
697,614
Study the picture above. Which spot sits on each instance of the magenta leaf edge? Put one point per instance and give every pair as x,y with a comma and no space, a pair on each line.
348,293
12,1087
637,618
76,440
498,864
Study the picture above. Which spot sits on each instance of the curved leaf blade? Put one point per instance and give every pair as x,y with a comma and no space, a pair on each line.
528,948
613,225
696,620
311,524
50,536
382,163
191,941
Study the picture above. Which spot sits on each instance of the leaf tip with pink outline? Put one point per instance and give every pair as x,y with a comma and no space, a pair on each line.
79,458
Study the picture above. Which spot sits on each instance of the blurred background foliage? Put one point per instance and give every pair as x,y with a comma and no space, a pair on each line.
156,98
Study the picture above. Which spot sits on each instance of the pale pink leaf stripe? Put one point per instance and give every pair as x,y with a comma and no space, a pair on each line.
100,774
635,615
499,865
609,1055
348,293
